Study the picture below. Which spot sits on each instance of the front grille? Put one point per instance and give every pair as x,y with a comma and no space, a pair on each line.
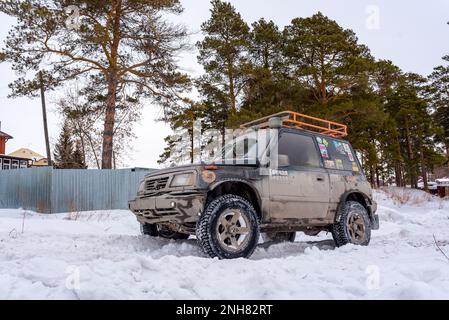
155,185
152,213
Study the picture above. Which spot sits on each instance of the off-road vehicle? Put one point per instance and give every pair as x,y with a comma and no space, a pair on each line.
317,185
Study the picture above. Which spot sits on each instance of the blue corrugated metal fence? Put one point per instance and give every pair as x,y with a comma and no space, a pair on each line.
48,190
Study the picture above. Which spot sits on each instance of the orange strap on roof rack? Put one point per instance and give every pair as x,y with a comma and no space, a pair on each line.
300,121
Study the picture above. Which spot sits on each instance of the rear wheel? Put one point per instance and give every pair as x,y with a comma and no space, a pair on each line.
354,226
158,230
228,228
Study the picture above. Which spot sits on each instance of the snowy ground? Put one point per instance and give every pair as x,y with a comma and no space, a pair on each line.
101,255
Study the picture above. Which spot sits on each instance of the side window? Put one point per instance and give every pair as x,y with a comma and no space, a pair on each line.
300,149
23,164
337,155
15,164
6,164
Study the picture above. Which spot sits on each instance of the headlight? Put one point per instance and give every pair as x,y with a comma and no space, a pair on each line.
141,187
182,180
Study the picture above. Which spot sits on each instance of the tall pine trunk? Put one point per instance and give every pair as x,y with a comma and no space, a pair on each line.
447,153
412,172
108,132
398,174
112,80
372,176
424,169
397,159
377,177
232,94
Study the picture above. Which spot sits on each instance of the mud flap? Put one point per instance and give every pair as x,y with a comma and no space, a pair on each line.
375,225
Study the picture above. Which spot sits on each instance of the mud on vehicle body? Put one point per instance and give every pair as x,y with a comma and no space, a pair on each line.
319,186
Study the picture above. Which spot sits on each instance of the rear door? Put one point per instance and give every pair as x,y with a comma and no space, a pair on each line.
301,190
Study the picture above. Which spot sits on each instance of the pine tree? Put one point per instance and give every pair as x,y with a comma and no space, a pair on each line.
68,154
439,94
222,54
63,153
116,44
78,158
326,58
268,89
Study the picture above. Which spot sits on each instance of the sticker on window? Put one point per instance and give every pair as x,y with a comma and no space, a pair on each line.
326,143
319,140
329,164
323,151
339,147
339,164
351,157
347,148
355,167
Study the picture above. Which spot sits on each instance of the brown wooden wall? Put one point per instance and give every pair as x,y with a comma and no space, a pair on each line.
2,145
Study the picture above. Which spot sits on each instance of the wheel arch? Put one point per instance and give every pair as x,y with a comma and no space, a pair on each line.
236,187
356,196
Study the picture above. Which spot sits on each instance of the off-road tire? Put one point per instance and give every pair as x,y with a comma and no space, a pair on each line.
152,230
279,237
341,231
207,231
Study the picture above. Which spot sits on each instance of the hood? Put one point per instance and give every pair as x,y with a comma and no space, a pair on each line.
195,167
190,167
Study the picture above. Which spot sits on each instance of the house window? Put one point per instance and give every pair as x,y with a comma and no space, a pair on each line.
15,164
23,164
1,163
6,164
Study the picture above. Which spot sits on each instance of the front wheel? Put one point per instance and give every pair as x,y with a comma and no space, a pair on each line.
354,226
228,228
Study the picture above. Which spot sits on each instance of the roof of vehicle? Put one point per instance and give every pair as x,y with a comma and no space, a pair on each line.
290,119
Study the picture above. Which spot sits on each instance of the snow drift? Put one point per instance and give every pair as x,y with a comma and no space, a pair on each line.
101,255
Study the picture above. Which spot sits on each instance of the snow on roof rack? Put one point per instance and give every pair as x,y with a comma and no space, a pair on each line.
300,121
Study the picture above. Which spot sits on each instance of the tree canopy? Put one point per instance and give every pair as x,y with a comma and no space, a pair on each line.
317,67
117,46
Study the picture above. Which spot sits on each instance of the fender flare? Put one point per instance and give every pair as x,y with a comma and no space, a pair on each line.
344,198
217,184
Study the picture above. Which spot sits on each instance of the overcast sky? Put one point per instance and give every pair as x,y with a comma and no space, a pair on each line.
413,34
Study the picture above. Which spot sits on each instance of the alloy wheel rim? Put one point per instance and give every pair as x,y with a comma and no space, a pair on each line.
233,230
356,228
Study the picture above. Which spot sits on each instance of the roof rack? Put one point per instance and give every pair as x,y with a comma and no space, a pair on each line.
300,121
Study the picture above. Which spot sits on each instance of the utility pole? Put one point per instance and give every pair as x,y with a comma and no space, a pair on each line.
44,115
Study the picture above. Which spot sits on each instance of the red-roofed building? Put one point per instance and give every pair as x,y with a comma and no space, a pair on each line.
4,137
8,162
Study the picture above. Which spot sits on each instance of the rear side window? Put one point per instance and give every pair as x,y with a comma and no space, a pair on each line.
337,155
300,149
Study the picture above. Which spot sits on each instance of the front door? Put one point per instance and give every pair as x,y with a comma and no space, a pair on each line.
300,190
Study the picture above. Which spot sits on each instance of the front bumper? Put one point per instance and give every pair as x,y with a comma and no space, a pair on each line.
180,209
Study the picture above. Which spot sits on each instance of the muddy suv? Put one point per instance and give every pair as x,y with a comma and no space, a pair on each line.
317,185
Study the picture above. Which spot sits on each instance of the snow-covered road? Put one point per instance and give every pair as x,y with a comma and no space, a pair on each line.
101,255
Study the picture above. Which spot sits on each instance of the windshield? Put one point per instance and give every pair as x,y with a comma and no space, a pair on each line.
245,149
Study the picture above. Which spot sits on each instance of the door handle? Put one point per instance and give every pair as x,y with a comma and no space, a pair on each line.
320,178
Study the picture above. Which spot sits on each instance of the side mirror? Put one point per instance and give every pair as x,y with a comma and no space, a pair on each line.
283,161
